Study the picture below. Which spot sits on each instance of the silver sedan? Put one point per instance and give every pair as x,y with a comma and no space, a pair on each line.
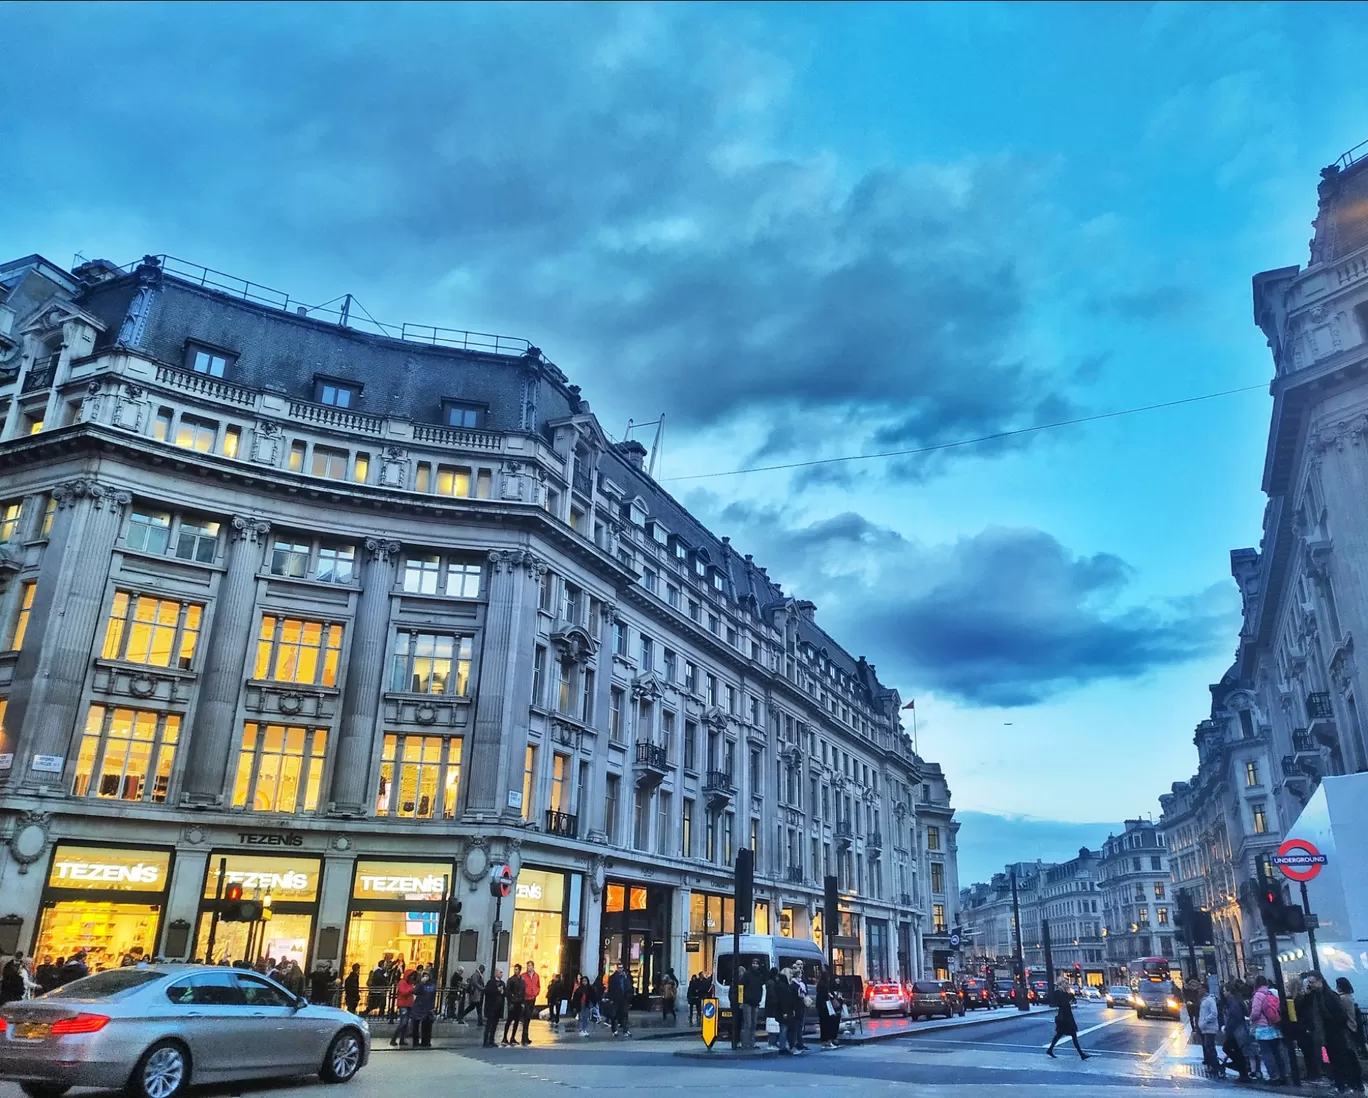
154,1030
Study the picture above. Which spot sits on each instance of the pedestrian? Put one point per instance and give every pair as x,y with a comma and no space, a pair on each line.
492,999
779,1008
752,994
669,994
1192,1001
321,984
555,992
1265,1016
1335,1037
377,988
1303,1024
74,969
620,996
12,979
828,1010
515,995
292,977
474,997
454,997
532,988
1209,1026
351,989
581,1002
801,1003
691,998
1351,1012
424,1007
403,1004
1239,1046
46,975
1064,1023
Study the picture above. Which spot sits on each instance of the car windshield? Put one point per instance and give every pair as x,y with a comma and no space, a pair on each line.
106,985
926,987
1120,991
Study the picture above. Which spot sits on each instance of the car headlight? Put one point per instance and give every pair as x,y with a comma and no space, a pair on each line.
1173,1004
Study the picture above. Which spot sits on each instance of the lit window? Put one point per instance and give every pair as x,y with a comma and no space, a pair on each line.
336,393
232,441
280,768
336,564
529,783
197,540
148,531
453,480
1163,916
361,468
933,838
49,511
431,663
1260,820
1251,773
146,629
21,617
161,425
293,650
9,519
296,462
196,434
415,773
126,754
207,362
289,558
938,918
330,463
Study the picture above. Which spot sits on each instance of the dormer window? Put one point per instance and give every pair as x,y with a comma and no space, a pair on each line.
208,360
460,413
717,580
338,394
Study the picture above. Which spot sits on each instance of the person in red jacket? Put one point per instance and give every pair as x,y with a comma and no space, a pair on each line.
532,985
404,1001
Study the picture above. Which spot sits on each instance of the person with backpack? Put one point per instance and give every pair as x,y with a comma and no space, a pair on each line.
1265,1016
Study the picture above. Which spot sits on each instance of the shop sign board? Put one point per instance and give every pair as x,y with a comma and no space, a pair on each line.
48,764
7,760
284,879
270,838
109,869
401,881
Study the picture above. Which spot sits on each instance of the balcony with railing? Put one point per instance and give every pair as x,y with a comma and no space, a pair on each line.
845,833
874,841
652,763
794,874
564,824
40,374
1302,741
717,787
1318,707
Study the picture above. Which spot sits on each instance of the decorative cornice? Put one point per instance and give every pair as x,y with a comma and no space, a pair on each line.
250,529
1337,433
510,560
67,495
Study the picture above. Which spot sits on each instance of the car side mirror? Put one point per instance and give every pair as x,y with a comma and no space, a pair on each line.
300,1002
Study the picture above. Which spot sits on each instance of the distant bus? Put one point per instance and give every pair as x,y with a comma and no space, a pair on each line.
1151,981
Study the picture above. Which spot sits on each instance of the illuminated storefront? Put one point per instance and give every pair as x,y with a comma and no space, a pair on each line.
710,916
106,900
636,931
291,882
396,911
539,920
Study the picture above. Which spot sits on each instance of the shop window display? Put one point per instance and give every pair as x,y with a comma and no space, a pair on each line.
108,932
538,920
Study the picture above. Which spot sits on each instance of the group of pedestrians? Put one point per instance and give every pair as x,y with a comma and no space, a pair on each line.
20,978
785,1000
416,1002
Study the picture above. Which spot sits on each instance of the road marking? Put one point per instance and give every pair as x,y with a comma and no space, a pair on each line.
1094,1029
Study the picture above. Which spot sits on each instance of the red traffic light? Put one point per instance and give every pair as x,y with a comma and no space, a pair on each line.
233,893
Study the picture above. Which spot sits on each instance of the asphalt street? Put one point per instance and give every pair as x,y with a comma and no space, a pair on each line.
1002,1056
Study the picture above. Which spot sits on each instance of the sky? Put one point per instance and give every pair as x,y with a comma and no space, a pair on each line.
800,233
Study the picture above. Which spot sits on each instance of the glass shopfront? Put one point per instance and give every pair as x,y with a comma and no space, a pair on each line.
396,912
539,921
291,882
105,900
636,931
710,917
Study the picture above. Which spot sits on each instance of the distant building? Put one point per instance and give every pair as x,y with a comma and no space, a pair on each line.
1071,901
1137,896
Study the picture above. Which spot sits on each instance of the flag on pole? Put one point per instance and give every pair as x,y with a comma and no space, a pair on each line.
911,705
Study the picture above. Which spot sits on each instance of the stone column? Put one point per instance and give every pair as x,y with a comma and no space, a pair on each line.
592,799
498,737
351,784
50,675
223,662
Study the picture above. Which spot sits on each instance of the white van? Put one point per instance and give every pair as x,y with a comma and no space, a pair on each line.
772,951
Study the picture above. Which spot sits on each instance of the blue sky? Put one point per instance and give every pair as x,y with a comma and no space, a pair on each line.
799,232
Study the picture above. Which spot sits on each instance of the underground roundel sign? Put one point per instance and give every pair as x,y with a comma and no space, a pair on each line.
501,880
1299,859
709,1011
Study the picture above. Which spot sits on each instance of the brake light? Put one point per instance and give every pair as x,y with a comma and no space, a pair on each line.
82,1023
942,995
4,1025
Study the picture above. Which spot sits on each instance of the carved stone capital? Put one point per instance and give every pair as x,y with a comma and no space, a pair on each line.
382,550
72,492
510,560
250,529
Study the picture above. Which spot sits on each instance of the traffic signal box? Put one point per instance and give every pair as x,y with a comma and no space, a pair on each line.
1279,916
234,909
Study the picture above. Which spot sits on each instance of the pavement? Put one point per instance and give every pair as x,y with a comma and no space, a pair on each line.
1000,1053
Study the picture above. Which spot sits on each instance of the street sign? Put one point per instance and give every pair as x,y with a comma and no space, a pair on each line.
501,881
709,1022
1299,860
954,941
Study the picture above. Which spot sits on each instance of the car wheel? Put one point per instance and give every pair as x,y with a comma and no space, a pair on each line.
162,1072
44,1090
344,1058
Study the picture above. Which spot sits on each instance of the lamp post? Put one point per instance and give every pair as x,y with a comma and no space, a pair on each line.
1019,958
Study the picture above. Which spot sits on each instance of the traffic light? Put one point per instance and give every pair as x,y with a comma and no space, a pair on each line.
745,885
1180,920
234,909
265,907
1279,917
453,919
1203,932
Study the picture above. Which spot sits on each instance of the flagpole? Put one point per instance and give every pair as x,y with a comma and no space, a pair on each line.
915,749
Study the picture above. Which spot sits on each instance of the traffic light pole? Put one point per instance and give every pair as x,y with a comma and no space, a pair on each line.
1019,959
1287,1008
1048,947
214,918
498,928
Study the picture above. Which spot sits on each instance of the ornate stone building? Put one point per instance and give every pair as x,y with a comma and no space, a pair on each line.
1137,896
1287,713
352,617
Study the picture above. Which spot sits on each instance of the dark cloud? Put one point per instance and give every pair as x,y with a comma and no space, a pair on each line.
1007,617
606,180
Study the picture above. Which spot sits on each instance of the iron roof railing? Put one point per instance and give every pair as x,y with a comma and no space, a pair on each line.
1354,155
348,314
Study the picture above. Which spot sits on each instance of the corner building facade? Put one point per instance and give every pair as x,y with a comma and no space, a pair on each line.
352,618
